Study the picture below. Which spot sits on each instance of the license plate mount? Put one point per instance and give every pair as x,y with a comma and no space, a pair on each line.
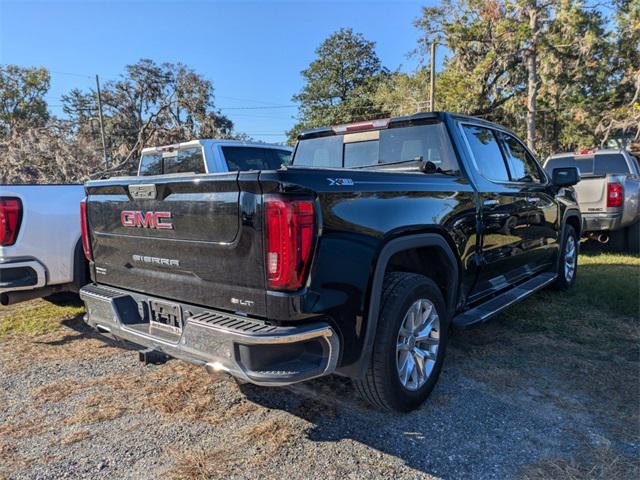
165,316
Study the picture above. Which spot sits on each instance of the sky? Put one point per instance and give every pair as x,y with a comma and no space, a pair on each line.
253,52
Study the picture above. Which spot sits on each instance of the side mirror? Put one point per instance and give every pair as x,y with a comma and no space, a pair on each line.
565,176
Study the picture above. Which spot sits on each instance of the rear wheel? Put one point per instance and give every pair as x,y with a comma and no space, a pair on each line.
410,344
633,238
568,259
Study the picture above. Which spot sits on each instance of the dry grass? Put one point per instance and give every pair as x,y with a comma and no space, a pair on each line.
75,437
202,464
36,317
17,352
89,413
598,464
11,460
56,391
34,426
274,433
253,447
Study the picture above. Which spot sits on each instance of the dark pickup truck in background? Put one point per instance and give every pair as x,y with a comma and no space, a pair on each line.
355,260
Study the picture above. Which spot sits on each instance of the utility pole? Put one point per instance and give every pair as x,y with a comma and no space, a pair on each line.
104,142
432,89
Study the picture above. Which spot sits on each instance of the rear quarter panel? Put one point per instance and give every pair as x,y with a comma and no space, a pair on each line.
360,212
50,227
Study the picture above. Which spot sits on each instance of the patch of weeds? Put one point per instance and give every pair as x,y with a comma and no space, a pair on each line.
56,391
269,437
73,438
36,317
90,415
598,464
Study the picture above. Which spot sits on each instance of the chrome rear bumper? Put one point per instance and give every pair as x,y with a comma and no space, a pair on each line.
249,349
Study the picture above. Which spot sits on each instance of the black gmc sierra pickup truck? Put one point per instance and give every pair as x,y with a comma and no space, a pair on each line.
354,260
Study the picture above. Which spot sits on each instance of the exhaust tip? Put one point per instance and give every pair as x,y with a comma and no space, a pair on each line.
603,238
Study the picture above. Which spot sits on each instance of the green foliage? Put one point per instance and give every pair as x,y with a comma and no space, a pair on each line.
587,75
22,103
340,83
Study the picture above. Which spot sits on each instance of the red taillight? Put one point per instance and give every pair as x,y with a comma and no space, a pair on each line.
86,246
290,232
10,218
615,195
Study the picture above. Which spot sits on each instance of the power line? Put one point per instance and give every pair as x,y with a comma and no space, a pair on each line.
248,100
70,74
258,108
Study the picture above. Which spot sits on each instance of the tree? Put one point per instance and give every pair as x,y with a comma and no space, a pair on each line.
485,66
574,77
340,83
621,112
511,57
151,104
22,103
403,93
51,154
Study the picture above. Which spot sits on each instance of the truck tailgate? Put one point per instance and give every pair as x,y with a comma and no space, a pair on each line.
197,239
592,194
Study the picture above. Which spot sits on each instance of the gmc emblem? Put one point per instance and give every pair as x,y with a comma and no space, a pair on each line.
137,219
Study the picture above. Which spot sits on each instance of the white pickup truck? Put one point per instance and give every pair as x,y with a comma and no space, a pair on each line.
40,246
608,195
40,249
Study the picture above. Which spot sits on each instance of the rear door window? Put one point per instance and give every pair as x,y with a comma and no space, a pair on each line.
522,166
486,152
249,158
610,163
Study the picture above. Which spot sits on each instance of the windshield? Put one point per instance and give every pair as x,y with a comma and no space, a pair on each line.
184,160
379,147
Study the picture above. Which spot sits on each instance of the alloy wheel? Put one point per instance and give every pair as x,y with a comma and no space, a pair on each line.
417,345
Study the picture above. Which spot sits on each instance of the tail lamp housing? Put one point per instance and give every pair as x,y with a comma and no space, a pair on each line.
10,220
615,195
290,231
86,244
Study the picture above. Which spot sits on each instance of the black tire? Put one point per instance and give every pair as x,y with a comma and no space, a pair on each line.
633,238
381,386
562,282
617,241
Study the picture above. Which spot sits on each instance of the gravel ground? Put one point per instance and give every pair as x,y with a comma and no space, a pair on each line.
75,406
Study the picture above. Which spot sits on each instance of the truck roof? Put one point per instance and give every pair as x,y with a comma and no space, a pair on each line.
206,142
330,130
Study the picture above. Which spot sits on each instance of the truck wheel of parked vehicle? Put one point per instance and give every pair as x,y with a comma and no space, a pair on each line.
568,266
410,343
633,238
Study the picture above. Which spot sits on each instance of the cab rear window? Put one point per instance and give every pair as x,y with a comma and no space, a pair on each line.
184,160
595,165
378,147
